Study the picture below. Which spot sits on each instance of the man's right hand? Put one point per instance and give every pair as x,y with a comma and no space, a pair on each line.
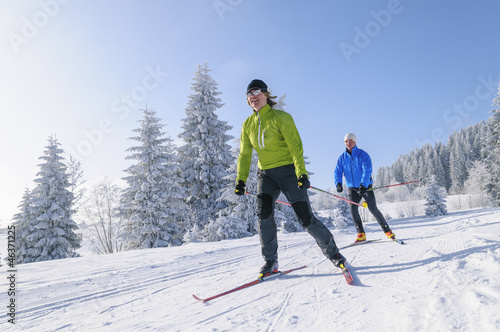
339,187
240,188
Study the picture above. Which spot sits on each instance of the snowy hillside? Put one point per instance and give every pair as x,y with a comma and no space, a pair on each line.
447,278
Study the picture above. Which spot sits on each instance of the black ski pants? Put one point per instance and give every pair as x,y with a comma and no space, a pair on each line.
354,195
283,179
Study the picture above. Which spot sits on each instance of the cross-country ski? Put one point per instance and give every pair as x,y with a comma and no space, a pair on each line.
359,243
251,283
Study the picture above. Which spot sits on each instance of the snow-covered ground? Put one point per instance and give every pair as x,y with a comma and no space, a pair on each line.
447,278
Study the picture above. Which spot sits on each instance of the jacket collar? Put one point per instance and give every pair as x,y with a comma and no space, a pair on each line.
354,149
263,111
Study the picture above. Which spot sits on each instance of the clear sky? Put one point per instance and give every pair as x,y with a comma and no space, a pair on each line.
398,74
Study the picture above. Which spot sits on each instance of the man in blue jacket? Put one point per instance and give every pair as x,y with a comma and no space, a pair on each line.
356,167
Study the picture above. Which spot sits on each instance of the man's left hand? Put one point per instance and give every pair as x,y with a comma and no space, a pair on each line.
303,182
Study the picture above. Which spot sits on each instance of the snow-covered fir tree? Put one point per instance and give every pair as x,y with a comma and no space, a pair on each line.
477,183
323,202
280,104
436,167
458,169
285,216
382,178
338,219
443,154
479,177
342,214
338,215
205,157
50,233
239,218
152,204
493,147
397,170
435,200
21,222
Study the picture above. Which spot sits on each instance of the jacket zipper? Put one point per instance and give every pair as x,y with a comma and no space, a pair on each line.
260,139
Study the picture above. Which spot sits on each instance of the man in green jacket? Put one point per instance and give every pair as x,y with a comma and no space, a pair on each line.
273,134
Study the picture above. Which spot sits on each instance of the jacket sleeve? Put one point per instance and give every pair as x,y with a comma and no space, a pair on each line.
366,164
339,170
245,156
292,139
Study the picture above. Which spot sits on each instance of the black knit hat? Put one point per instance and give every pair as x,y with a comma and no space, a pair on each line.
257,84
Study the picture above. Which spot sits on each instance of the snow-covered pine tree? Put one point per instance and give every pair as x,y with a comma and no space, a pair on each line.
323,201
458,164
397,172
481,140
21,221
280,104
411,166
435,201
423,165
476,184
444,155
152,204
286,219
382,178
436,168
239,218
342,216
205,157
493,143
50,233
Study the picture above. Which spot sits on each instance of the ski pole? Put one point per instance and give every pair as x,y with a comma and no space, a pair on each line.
393,185
284,203
364,204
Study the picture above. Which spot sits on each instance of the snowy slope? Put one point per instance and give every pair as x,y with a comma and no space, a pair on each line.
447,278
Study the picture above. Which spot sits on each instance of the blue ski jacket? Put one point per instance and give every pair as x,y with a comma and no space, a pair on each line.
356,168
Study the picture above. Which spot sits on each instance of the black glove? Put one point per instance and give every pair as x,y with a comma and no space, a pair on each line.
303,182
240,188
362,190
339,187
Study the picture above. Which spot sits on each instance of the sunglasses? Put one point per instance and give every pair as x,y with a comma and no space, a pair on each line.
255,92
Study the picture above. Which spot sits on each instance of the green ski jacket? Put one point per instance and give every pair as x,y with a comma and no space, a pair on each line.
272,133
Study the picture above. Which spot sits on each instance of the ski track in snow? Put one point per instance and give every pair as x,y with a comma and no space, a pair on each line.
446,278
132,285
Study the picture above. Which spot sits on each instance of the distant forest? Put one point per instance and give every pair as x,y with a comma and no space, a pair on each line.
467,164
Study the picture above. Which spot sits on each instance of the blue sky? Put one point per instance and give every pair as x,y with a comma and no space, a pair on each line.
397,73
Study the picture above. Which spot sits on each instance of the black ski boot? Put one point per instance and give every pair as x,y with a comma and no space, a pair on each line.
269,267
338,259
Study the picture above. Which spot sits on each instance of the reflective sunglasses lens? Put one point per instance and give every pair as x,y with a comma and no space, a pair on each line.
253,93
